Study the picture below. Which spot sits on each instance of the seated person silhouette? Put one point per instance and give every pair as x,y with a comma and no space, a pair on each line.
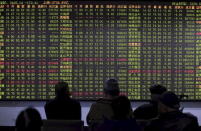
171,118
63,107
102,108
122,119
150,110
28,120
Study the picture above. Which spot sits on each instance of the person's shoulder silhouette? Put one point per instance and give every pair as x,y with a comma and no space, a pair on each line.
102,109
63,107
150,110
171,118
122,119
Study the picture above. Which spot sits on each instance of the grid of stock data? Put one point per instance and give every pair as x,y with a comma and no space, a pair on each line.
85,43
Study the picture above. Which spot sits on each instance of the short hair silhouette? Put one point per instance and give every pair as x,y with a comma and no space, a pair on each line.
61,89
157,89
111,87
121,107
29,120
170,99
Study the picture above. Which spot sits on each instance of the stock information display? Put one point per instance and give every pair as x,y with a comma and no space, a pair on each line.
85,43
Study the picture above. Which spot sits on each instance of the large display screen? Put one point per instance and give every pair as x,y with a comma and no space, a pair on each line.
86,42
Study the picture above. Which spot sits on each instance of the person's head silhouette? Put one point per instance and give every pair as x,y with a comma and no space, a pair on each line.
168,102
156,91
111,88
62,90
29,120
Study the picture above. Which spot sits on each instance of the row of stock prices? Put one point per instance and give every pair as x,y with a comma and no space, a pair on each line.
85,43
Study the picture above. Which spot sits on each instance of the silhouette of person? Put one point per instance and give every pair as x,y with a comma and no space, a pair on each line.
122,119
28,120
170,117
150,111
63,107
102,108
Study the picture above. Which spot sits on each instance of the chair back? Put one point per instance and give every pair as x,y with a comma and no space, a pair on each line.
63,125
